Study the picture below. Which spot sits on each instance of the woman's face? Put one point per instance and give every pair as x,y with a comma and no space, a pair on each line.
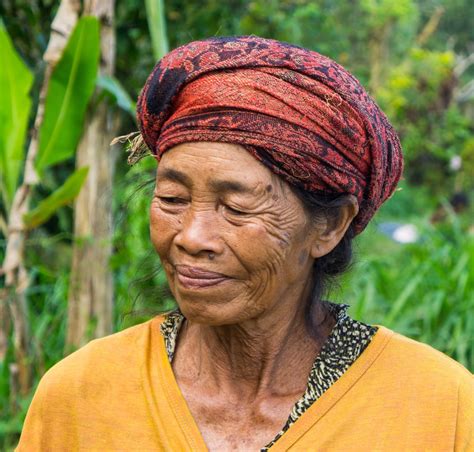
233,238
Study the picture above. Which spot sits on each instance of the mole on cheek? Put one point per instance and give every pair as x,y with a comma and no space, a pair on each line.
269,188
285,240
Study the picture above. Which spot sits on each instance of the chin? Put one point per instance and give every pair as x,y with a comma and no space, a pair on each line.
214,313
215,305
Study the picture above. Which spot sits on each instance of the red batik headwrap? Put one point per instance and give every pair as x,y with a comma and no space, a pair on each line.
298,112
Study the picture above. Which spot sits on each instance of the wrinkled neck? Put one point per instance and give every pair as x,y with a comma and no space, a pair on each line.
272,354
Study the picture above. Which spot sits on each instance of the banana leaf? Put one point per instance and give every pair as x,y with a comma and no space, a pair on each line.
60,197
155,13
15,105
70,89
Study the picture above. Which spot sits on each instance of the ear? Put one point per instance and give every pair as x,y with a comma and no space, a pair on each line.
330,233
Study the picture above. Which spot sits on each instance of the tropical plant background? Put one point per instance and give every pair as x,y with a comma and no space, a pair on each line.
77,261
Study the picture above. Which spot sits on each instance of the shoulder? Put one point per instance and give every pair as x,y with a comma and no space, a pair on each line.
88,388
408,353
109,357
420,368
423,383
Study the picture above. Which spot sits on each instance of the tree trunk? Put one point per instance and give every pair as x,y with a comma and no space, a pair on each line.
16,277
91,290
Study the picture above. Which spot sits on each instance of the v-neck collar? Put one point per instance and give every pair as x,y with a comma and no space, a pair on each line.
347,340
163,381
166,384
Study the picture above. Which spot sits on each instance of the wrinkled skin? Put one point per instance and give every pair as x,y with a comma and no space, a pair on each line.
244,354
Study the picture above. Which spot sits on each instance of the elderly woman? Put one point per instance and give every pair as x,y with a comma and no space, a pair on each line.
271,159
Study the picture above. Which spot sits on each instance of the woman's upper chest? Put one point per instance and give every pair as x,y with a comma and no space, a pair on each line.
228,415
229,422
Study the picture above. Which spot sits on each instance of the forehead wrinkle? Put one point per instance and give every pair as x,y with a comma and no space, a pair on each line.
223,184
216,185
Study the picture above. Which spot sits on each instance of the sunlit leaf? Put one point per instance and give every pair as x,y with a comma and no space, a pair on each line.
155,12
15,105
70,88
62,196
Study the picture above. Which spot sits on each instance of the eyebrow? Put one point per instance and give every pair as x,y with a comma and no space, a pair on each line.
216,185
229,186
175,176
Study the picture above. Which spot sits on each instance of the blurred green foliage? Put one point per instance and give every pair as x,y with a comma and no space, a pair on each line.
418,98
424,289
427,295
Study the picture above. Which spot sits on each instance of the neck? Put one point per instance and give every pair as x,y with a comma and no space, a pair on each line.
272,354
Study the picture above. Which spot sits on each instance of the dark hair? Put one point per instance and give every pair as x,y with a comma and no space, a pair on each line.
325,206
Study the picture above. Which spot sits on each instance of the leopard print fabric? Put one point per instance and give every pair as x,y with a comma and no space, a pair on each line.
169,329
348,339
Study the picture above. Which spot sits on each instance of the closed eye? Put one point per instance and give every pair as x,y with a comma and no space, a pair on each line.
234,211
172,200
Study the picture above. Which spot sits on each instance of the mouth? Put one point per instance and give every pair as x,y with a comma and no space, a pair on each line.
195,278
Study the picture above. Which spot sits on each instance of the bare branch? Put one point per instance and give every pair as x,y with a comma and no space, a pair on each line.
465,93
463,64
430,26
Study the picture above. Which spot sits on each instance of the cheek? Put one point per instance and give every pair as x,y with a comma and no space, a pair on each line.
163,227
273,252
260,251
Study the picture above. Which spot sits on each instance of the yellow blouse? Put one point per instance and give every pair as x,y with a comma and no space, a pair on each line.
119,393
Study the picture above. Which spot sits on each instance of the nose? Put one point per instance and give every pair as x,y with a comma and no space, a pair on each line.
199,234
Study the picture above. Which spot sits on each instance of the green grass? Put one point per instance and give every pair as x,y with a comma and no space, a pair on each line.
423,290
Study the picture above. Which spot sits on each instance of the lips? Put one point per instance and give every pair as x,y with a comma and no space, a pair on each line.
194,277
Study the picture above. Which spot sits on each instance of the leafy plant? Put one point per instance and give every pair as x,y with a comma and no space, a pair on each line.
62,196
70,88
419,98
423,290
15,105
157,25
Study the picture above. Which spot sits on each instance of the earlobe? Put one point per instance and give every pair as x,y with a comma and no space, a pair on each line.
325,243
330,233
315,251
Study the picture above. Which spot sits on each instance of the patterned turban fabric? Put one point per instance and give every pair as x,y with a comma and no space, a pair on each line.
298,112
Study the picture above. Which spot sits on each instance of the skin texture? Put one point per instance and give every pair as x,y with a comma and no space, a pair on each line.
244,354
